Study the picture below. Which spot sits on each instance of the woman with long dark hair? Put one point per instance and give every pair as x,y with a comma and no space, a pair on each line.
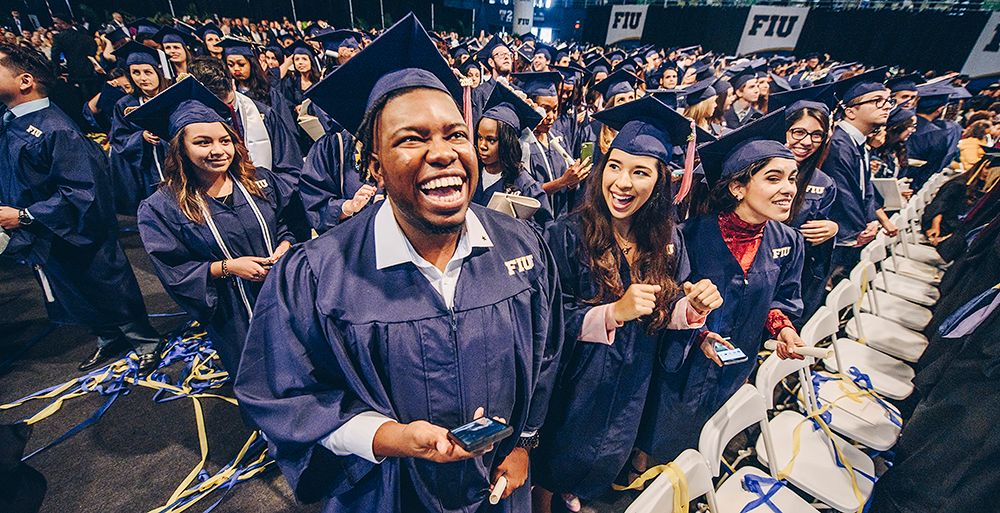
177,45
501,154
215,226
304,73
890,158
741,244
621,265
136,155
244,66
808,136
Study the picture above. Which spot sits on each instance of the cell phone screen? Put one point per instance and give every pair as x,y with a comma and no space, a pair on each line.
480,432
586,150
730,356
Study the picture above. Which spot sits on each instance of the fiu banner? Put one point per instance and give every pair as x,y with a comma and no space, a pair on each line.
626,23
984,60
524,16
772,28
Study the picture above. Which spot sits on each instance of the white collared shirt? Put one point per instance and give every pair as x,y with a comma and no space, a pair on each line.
392,248
859,140
29,107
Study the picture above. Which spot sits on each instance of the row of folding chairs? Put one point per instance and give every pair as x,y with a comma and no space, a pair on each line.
821,447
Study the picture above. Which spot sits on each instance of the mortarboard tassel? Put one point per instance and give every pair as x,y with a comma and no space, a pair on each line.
688,167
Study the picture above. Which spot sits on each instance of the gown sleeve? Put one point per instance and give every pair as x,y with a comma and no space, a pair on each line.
549,333
564,245
297,383
788,293
187,279
286,157
319,183
283,194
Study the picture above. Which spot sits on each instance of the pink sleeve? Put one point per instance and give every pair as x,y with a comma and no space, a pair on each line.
685,317
599,325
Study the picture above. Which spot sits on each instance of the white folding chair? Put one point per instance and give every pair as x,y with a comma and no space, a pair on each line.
658,497
884,334
910,289
857,414
885,305
890,376
742,410
908,227
823,465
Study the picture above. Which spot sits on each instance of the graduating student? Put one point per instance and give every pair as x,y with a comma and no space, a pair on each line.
341,45
211,34
498,58
356,385
621,264
501,153
934,140
701,103
244,66
136,154
742,245
807,134
177,45
215,227
305,71
866,104
618,88
904,89
56,204
891,158
550,161
746,93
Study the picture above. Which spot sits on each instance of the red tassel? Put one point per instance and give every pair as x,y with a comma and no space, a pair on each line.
467,106
688,168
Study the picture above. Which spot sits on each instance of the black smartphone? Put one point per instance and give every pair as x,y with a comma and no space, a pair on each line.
479,433
730,356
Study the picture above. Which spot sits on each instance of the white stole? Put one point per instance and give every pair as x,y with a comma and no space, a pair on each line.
255,136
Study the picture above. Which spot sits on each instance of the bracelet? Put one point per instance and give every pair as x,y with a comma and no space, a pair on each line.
528,442
225,270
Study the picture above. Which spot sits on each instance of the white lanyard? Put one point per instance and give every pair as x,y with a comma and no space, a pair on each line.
545,160
222,243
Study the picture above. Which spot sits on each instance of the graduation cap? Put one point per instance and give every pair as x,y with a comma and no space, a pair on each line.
209,28
235,46
172,35
721,85
820,97
458,51
403,56
546,50
470,64
905,82
615,55
628,65
312,29
137,53
334,39
646,127
560,53
599,64
508,108
742,76
299,47
960,93
179,105
899,115
735,151
143,27
835,72
932,96
689,50
572,74
116,35
852,88
539,84
698,92
759,67
486,52
526,37
278,50
779,84
619,82
667,96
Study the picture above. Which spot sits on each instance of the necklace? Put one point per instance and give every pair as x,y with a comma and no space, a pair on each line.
625,246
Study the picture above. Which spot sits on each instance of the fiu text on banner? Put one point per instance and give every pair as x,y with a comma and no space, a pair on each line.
772,28
984,60
626,23
524,16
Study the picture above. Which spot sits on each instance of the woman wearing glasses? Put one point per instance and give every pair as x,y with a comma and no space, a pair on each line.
807,135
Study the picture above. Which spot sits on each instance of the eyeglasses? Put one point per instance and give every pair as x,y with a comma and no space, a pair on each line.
880,103
797,134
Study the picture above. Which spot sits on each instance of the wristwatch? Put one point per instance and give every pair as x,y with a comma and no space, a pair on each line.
528,442
24,217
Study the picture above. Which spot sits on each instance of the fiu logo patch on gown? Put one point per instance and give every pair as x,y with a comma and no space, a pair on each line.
781,252
815,189
520,264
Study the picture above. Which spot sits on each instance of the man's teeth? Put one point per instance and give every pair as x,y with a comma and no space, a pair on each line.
448,181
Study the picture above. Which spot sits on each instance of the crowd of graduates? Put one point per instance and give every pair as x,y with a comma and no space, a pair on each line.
389,234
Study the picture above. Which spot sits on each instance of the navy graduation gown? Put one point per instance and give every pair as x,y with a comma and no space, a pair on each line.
135,163
523,185
329,178
62,178
286,157
854,208
733,120
547,164
684,398
820,195
602,389
383,340
182,253
933,142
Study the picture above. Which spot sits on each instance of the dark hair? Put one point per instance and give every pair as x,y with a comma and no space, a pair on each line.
366,132
719,199
313,74
162,82
213,74
894,143
653,228
978,129
257,85
26,60
807,169
509,153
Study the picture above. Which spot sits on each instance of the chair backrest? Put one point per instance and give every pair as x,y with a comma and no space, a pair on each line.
875,250
744,409
658,497
864,271
845,294
822,325
772,371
